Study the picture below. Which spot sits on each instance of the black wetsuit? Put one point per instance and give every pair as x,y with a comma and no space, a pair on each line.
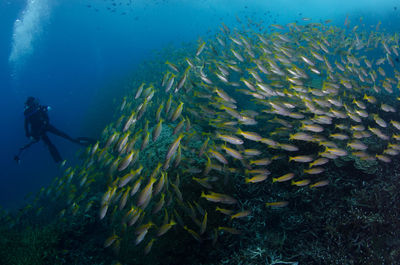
37,125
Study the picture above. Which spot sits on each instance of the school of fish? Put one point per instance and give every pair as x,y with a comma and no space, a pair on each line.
302,95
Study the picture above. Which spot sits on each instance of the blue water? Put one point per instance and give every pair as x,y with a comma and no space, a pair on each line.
76,56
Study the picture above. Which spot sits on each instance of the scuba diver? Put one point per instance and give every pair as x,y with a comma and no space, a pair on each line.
37,125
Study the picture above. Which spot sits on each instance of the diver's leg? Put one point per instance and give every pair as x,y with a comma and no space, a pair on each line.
52,129
53,150
85,141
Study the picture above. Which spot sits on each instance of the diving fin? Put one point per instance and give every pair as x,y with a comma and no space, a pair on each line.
85,141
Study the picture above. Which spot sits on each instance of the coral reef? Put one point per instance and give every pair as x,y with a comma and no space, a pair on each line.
30,246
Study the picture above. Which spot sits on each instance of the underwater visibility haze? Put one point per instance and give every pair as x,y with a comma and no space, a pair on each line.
200,132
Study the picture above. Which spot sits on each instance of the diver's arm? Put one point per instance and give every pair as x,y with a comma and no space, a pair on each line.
27,131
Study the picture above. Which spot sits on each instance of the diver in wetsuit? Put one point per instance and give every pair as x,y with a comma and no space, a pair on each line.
37,125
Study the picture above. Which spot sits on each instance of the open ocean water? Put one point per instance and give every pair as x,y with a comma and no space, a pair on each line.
218,132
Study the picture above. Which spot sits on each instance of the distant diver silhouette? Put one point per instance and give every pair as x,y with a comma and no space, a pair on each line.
37,125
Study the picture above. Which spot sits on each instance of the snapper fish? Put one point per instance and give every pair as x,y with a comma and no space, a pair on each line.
244,105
